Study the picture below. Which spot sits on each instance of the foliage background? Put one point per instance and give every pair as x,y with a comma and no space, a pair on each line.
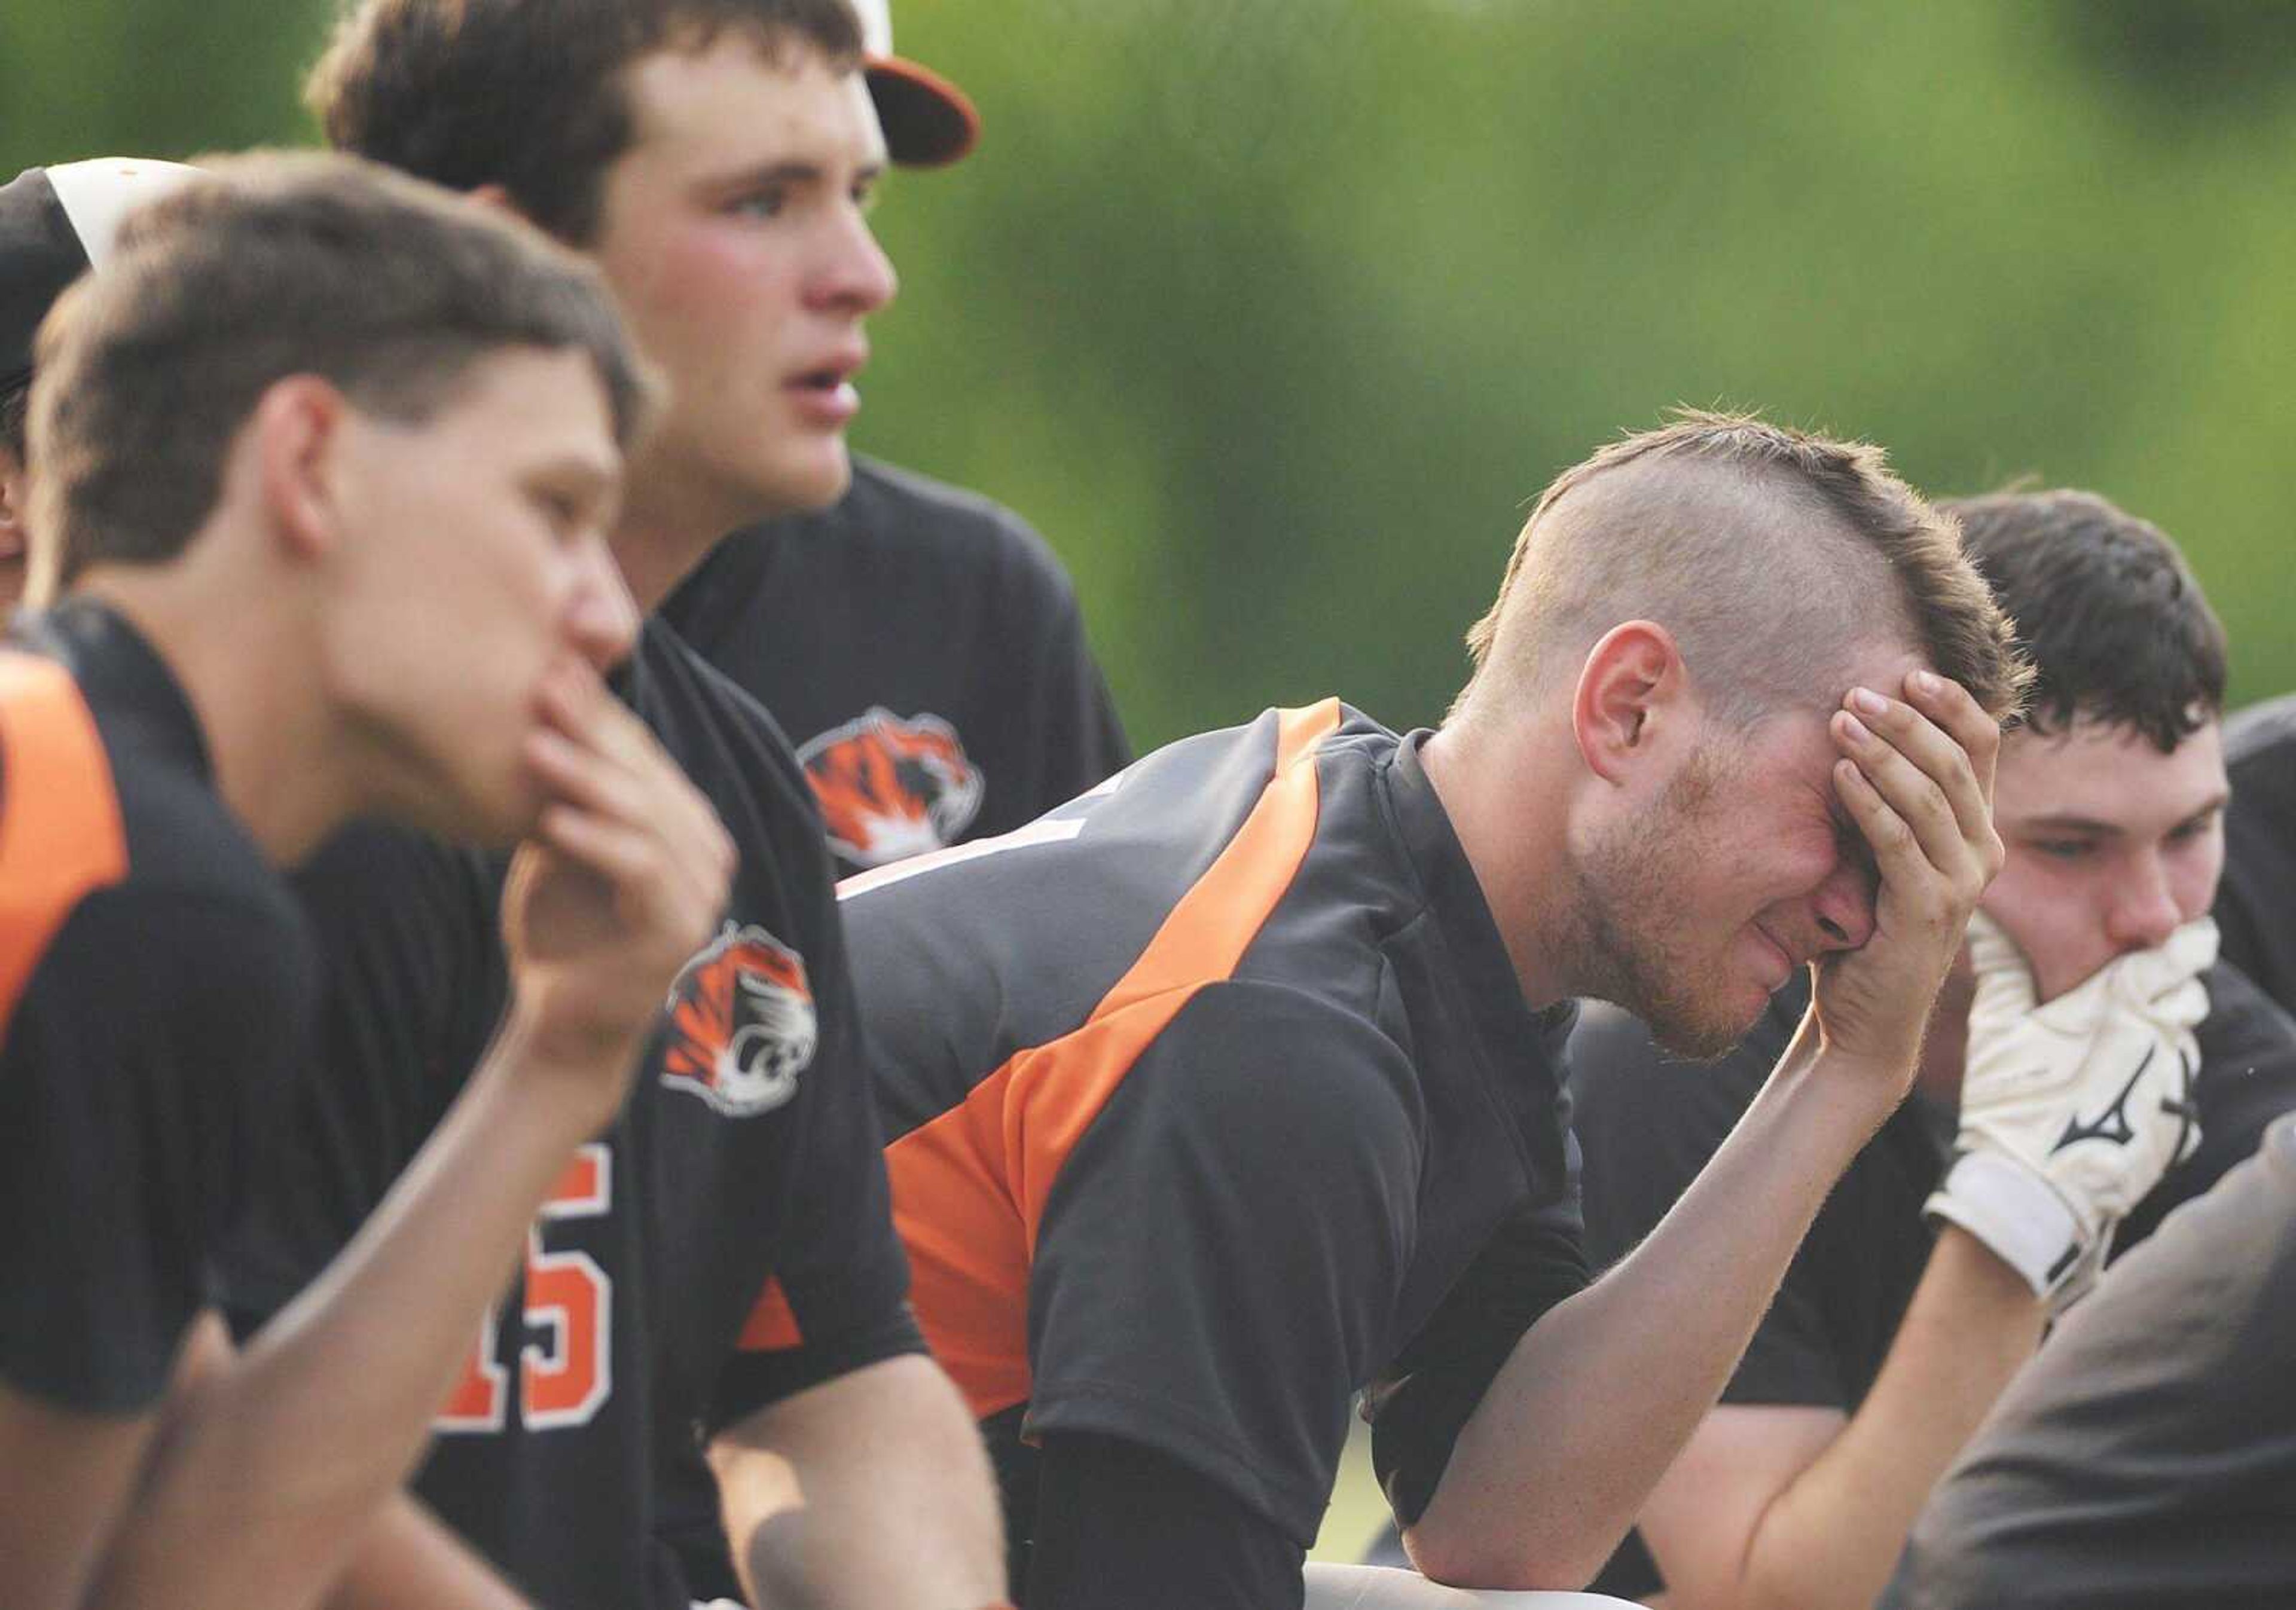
1273,314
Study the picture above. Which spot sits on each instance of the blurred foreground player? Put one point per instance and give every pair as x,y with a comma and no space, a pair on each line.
322,461
714,157
921,644
54,223
2070,1057
2146,1460
1231,1088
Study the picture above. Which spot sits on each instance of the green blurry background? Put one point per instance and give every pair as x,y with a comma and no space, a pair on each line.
1272,313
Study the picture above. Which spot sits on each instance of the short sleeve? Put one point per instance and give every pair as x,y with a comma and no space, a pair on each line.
155,1032
411,984
1217,1264
839,1297
1078,741
1425,1398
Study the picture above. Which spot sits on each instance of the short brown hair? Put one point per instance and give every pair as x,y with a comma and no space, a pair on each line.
2106,609
1769,553
270,265
528,93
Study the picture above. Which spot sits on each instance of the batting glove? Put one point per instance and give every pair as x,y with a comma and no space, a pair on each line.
2071,1111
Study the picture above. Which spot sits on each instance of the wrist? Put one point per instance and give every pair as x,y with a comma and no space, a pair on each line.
1862,1088
2017,1215
577,1077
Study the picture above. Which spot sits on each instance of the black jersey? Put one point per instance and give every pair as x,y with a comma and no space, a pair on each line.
2146,1460
922,648
749,1150
2256,901
155,991
1201,1092
1648,1123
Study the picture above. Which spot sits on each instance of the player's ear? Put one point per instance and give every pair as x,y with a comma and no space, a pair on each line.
297,443
1631,694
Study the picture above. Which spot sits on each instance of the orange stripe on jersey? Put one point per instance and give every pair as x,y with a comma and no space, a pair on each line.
773,1323
60,834
969,1187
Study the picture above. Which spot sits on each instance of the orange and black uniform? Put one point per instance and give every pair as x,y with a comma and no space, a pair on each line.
749,1148
156,983
923,649
1203,1094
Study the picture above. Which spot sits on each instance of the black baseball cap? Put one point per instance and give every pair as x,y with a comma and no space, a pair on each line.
927,121
55,223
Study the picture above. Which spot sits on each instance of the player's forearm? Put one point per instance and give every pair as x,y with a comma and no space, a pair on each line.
871,1492
275,1468
1834,1535
1600,1395
410,1561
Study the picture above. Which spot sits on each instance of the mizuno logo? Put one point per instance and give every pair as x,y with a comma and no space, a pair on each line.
2111,1124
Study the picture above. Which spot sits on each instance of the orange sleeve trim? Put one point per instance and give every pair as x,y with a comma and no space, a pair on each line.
60,834
773,1324
969,1187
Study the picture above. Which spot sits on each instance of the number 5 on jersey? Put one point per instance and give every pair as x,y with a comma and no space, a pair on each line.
565,1376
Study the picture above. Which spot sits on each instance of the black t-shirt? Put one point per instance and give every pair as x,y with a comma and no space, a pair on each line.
2146,1460
922,647
2256,902
1648,1123
749,1152
1203,1093
157,991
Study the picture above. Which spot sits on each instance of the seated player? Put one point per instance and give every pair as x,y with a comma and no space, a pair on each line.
715,159
322,461
2258,899
53,222
2146,1460
1232,1087
2057,1066
921,644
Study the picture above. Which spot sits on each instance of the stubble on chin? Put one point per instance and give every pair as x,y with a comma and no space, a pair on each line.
1623,925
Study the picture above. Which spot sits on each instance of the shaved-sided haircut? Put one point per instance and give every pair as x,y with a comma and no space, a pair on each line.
1772,555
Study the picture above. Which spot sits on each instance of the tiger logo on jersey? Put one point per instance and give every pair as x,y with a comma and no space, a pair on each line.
891,788
742,1024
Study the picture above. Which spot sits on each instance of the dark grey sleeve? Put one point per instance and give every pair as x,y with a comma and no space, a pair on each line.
2147,1457
1218,1260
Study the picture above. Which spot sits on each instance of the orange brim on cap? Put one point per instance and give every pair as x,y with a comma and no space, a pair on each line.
927,121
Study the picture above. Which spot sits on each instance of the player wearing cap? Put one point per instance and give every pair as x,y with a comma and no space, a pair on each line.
2072,1052
714,157
54,222
1231,1088
324,462
921,644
